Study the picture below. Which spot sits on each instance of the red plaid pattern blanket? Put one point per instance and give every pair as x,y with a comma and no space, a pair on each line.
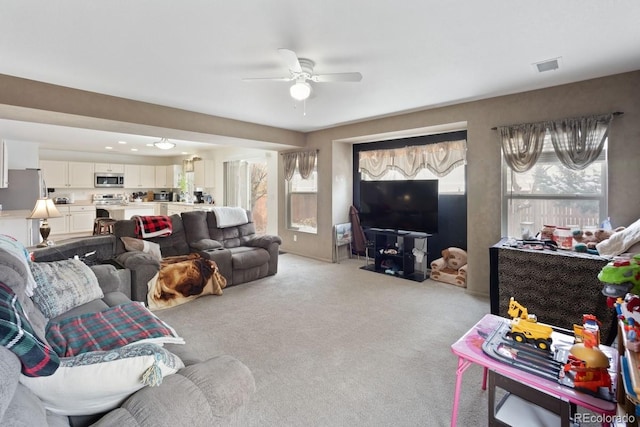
152,226
112,328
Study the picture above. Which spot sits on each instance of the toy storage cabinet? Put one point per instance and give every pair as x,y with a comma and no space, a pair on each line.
557,286
404,260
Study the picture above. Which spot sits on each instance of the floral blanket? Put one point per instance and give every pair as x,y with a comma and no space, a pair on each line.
182,279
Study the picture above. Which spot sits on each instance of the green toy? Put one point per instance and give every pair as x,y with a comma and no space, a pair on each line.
621,276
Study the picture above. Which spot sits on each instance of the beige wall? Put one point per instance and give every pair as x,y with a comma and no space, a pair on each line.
615,93
32,101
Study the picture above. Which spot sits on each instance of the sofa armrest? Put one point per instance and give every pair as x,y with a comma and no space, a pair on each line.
112,279
263,241
213,392
143,267
135,259
438,264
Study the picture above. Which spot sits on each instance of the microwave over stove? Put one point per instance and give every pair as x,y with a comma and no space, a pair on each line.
110,180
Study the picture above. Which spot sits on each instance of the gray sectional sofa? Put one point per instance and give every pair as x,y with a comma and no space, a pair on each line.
202,393
241,255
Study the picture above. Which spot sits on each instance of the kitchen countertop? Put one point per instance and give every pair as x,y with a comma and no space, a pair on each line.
22,213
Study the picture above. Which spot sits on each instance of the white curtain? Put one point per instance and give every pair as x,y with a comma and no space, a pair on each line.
376,162
440,158
443,157
578,142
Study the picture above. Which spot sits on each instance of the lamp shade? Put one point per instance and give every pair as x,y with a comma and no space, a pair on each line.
45,208
300,90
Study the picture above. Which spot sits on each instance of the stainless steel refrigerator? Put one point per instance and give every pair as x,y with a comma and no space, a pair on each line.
25,187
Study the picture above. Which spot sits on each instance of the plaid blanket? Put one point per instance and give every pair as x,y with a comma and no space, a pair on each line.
112,328
152,226
16,334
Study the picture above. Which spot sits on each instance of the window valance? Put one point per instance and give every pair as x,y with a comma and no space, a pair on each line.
305,160
576,141
440,158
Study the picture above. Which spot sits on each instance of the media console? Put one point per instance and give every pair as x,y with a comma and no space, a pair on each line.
394,253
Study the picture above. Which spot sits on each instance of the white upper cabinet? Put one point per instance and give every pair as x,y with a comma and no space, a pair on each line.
109,167
167,176
139,176
61,174
203,174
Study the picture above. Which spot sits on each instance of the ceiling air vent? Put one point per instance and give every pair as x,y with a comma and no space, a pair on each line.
547,65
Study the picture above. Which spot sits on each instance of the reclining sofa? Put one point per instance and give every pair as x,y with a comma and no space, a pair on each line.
240,254
203,393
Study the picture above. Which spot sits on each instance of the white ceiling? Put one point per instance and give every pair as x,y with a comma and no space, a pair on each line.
413,55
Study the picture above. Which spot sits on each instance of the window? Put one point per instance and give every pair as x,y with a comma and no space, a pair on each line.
452,183
246,187
551,194
302,202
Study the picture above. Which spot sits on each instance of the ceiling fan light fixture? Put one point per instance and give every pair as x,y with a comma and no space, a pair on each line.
300,90
164,144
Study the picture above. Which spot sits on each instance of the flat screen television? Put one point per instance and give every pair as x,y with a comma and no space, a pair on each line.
400,205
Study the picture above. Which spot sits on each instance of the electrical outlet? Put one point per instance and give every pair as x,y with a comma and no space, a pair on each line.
295,238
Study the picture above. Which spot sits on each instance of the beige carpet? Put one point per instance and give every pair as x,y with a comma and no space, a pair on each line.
333,345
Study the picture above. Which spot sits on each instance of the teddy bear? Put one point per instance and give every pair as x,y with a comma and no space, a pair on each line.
587,240
451,268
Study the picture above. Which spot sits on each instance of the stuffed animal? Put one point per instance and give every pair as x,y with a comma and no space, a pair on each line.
451,268
591,238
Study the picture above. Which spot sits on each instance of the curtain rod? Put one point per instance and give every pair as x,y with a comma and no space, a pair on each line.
317,150
616,113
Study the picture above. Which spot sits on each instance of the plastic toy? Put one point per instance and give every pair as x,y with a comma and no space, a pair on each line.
587,366
525,327
627,308
621,276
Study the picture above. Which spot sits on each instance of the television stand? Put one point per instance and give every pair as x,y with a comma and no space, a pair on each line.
393,253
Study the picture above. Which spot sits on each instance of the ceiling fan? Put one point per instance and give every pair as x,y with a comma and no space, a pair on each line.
301,72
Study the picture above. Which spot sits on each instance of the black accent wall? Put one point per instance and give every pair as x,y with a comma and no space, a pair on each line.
452,209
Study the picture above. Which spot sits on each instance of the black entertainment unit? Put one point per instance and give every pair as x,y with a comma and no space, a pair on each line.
393,253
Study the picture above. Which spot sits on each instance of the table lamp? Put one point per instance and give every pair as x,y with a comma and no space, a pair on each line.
44,210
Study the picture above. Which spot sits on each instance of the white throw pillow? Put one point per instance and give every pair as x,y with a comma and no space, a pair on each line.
63,285
99,381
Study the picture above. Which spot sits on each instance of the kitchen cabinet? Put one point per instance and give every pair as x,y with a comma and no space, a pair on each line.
178,208
175,208
74,219
61,174
25,231
109,167
81,218
126,212
203,173
167,176
139,176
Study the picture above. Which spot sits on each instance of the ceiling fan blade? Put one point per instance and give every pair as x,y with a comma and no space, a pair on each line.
291,59
337,77
273,79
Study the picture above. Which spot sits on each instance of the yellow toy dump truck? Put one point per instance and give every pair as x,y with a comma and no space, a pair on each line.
525,327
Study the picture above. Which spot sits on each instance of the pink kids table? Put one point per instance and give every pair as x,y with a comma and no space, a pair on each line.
469,350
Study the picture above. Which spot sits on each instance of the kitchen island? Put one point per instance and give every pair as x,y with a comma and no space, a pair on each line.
120,212
14,223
